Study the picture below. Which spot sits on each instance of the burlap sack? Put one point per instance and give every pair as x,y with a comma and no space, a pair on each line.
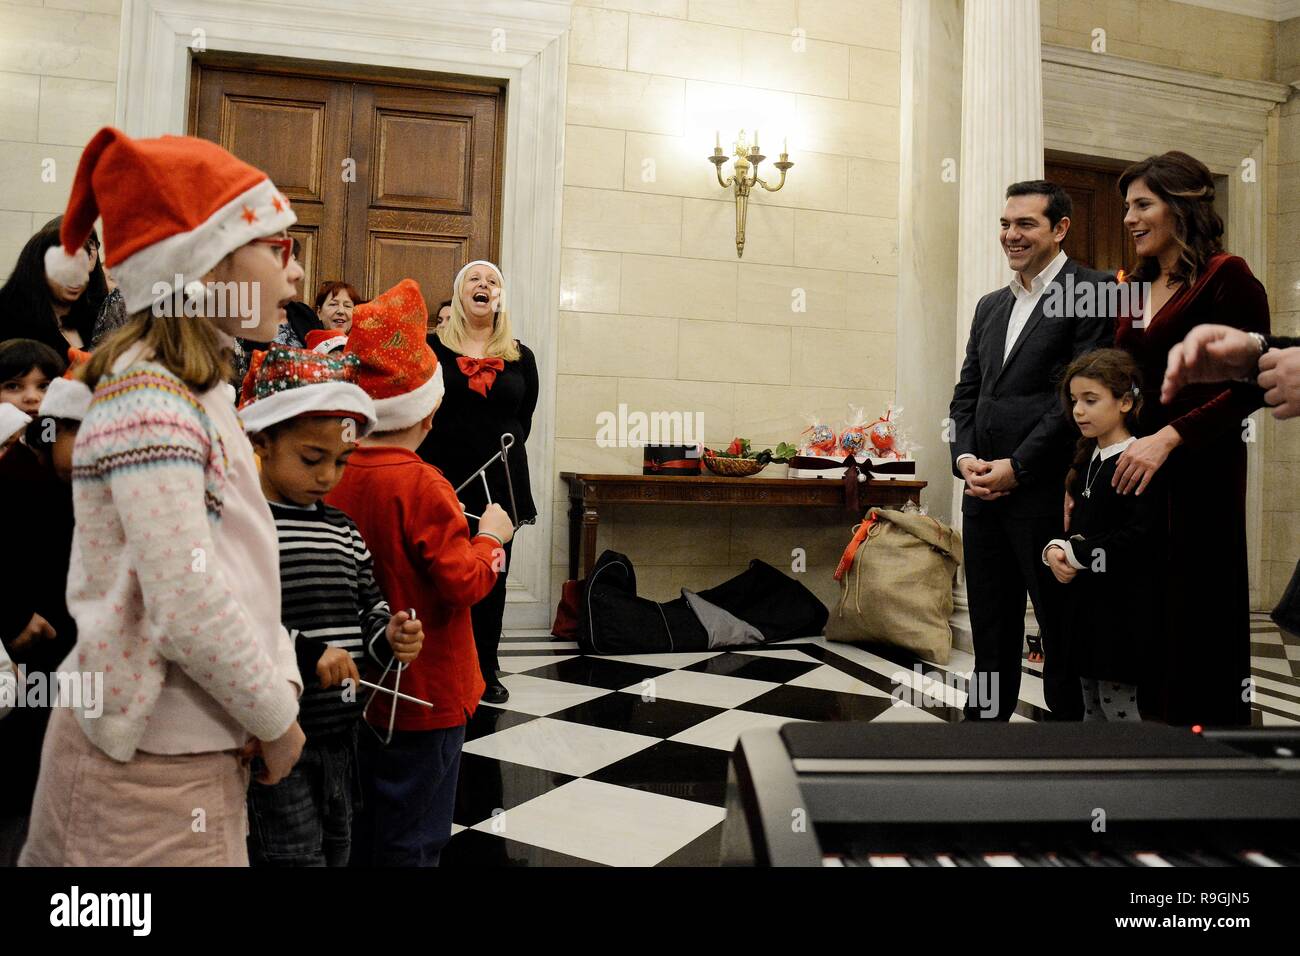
896,585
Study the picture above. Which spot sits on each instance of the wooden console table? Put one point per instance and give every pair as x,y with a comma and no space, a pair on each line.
587,493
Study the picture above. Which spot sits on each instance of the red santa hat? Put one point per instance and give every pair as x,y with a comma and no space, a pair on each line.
68,397
172,208
326,341
284,383
398,369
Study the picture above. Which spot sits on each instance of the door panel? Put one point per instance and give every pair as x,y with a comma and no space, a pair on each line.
391,176
1097,237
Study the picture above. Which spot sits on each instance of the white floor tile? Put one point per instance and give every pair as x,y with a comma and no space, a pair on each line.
829,678
721,731
509,646
617,826
560,745
1277,703
905,713
1272,720
1271,664
714,690
781,652
528,662
684,659
538,696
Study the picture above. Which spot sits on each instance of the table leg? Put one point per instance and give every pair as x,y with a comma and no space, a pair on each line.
575,542
590,520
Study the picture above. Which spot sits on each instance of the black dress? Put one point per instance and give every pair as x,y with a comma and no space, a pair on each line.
1114,609
467,432
468,427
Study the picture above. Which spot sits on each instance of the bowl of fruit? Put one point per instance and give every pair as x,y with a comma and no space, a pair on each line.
738,461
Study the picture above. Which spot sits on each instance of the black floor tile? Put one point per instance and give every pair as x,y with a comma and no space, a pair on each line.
491,720
674,770
808,703
597,672
704,850
487,784
473,848
628,712
752,667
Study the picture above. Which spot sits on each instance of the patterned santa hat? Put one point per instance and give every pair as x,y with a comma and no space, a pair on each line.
398,369
68,397
284,383
12,420
172,208
326,341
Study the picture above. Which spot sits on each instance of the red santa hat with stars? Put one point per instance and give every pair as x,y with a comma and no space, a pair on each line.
398,369
172,208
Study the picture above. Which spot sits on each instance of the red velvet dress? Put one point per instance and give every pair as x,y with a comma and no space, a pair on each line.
1200,666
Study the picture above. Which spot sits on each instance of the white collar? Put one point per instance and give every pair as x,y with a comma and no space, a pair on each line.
1040,281
1110,451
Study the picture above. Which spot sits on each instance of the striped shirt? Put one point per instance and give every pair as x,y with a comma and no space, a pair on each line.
329,599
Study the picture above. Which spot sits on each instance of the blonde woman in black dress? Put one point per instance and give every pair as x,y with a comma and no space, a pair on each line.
491,381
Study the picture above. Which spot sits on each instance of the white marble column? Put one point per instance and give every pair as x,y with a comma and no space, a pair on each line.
1001,143
930,147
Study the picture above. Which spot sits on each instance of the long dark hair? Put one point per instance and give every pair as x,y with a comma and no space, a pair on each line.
1115,369
26,310
1185,184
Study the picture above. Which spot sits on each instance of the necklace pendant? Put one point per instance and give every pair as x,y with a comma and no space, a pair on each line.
1087,492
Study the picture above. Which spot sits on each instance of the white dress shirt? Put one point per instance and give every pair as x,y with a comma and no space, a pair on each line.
1026,302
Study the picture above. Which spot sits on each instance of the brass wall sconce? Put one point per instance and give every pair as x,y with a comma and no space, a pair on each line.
745,176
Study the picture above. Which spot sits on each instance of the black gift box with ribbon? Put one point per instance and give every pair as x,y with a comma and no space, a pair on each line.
676,460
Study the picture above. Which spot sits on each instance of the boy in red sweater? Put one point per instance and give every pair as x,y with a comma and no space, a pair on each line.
424,558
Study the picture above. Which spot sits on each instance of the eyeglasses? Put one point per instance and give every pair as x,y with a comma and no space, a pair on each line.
285,244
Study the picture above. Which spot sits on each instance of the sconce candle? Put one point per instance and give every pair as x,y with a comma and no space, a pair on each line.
745,176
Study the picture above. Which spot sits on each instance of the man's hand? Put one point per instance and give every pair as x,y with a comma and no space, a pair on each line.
335,666
998,479
1060,565
1209,353
1140,461
1279,376
405,637
37,629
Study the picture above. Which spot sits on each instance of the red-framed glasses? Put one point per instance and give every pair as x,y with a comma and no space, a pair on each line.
285,243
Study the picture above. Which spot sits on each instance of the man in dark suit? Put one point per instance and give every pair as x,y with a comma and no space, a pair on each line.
1012,444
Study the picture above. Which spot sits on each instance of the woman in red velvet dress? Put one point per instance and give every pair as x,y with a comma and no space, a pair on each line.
1197,441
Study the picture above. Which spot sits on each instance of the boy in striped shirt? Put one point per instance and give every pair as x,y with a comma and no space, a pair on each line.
304,414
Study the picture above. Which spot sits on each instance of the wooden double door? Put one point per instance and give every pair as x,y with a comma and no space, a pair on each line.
392,175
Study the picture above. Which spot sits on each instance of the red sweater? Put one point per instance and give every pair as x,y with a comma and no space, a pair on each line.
424,558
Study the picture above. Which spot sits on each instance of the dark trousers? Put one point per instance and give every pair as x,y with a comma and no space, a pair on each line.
486,618
408,795
306,818
1004,563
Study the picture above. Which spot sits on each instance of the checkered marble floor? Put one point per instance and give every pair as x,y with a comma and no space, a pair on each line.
622,761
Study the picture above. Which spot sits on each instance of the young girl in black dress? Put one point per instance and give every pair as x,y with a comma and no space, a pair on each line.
1113,558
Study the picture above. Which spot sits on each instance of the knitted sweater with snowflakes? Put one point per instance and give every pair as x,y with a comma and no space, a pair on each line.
173,580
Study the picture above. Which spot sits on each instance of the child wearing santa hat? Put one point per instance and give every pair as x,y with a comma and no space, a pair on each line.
35,627
174,580
304,414
425,559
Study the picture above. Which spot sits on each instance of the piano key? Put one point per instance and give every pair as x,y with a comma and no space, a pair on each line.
1002,859
1255,858
945,860
888,859
1151,859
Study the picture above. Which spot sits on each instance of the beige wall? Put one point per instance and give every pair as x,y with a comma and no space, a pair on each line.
1168,33
58,80
658,312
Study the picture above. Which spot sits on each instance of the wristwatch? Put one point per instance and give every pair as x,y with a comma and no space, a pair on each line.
1018,470
1262,342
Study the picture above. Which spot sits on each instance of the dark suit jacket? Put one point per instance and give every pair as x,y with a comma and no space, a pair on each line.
1012,409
